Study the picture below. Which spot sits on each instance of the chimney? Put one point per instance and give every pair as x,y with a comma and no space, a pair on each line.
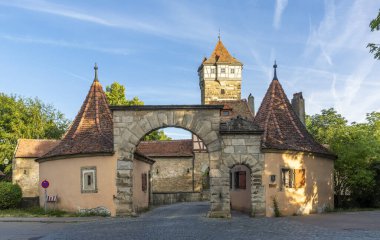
251,103
298,104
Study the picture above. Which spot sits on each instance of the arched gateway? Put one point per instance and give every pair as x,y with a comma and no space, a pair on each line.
132,123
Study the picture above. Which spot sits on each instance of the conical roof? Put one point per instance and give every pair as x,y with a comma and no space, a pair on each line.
221,55
92,129
282,128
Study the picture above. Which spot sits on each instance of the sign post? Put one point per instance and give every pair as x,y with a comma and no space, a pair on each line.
45,184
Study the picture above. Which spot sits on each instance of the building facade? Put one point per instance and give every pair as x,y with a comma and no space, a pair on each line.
246,161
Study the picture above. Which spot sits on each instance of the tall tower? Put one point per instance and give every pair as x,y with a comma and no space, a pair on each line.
220,76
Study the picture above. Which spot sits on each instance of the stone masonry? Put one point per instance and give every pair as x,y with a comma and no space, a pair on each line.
132,123
244,149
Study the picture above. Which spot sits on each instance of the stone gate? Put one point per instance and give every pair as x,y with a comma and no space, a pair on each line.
226,145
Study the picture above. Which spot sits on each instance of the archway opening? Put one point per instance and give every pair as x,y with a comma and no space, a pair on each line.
177,170
240,188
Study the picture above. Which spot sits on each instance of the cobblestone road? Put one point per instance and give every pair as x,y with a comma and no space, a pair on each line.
188,221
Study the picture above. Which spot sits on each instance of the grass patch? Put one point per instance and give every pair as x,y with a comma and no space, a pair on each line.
33,212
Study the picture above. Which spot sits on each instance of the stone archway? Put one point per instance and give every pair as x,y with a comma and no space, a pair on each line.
132,123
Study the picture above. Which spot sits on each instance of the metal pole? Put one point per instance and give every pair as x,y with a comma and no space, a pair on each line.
45,200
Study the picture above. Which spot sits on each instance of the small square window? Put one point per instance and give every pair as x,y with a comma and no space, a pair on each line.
232,71
88,180
213,70
222,70
222,91
225,113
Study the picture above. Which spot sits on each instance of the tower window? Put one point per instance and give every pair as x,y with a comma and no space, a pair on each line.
213,70
232,71
222,70
222,91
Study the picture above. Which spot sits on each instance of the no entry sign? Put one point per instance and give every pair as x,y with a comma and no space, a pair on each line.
45,184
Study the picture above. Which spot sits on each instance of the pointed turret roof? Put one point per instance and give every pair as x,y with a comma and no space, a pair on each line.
282,128
91,131
221,55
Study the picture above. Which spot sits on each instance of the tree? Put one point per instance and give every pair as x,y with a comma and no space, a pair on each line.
373,47
26,118
116,96
358,149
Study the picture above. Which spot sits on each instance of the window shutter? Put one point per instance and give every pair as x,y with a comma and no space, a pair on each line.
299,176
144,182
242,180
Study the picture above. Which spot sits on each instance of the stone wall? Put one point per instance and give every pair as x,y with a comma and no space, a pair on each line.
201,169
132,123
26,174
170,198
221,90
245,150
172,174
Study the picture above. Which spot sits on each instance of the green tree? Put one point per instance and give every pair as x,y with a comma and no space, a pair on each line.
116,96
26,118
373,47
358,149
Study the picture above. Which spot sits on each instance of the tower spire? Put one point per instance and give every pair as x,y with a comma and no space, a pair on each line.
96,72
275,71
219,35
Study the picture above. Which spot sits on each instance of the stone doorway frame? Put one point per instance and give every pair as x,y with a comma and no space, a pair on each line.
132,123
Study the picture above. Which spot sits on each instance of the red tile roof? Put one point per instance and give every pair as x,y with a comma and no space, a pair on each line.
92,129
235,108
34,148
282,128
221,55
169,148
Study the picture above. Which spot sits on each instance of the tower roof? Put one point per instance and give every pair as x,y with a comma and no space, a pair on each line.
91,131
282,128
221,55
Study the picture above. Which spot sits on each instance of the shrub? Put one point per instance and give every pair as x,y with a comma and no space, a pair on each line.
10,195
277,212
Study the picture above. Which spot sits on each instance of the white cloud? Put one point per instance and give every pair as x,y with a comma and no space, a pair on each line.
279,10
197,27
337,47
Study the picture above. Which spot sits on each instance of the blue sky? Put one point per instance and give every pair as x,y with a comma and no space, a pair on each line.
48,49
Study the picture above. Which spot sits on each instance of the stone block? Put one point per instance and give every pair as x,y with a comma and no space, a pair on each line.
228,149
210,137
240,149
162,119
127,119
238,142
124,165
253,149
124,173
145,125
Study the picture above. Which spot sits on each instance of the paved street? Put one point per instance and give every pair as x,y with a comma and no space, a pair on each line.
188,221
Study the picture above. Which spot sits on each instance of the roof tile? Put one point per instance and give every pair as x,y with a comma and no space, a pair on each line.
169,148
34,148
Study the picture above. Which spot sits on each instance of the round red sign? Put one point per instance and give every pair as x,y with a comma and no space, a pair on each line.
45,184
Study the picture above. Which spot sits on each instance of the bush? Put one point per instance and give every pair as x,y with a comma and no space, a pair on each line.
10,195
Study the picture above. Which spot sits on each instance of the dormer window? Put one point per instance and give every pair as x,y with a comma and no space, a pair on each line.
232,71
213,70
222,70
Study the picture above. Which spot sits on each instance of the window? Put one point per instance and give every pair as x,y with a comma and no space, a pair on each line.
240,180
293,178
232,71
225,113
222,91
222,70
144,182
88,180
213,70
